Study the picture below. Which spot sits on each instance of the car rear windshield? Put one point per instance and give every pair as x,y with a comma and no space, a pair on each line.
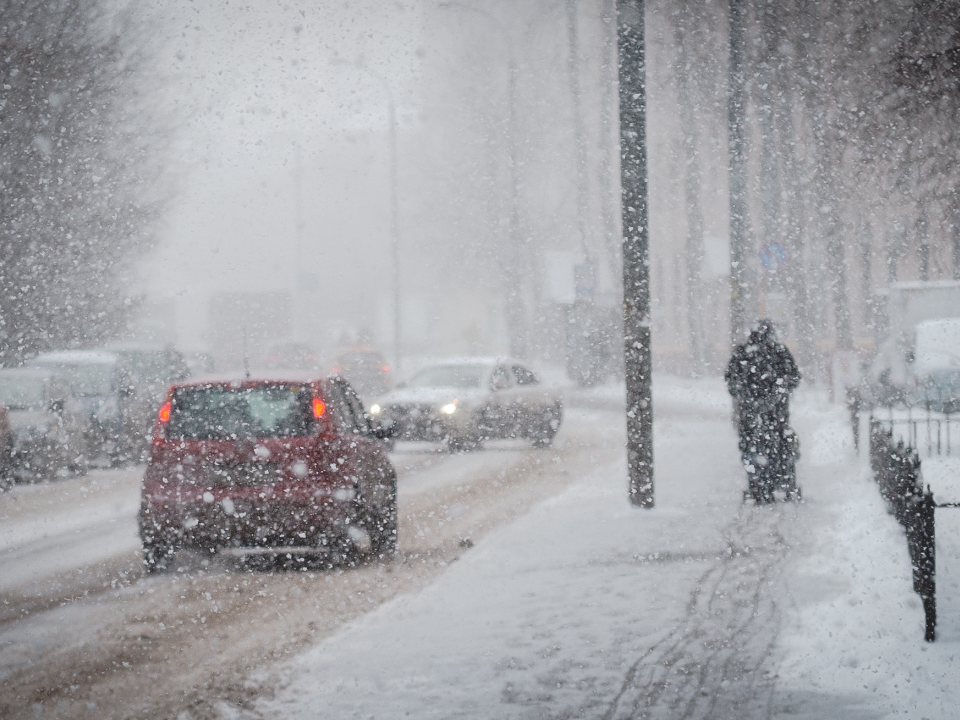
458,376
223,412
21,393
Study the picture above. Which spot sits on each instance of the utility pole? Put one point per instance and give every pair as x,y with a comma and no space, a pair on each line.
741,285
636,250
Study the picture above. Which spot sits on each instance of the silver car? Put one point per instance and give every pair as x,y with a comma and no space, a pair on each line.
47,424
464,402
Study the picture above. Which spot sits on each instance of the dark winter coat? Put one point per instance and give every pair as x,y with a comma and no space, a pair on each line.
761,374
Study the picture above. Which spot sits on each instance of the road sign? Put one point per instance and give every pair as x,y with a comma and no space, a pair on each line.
773,256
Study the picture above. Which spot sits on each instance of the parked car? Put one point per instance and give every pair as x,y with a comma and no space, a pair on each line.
288,462
93,377
365,369
47,424
121,389
464,402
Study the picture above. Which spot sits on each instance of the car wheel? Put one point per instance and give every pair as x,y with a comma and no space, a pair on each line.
547,428
384,535
157,557
379,519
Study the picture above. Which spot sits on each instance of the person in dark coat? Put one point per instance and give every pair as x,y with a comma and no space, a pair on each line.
760,377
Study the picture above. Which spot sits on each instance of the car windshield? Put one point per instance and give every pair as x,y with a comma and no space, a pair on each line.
21,393
222,412
86,379
457,376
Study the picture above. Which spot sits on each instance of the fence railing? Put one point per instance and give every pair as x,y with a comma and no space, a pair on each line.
928,432
896,468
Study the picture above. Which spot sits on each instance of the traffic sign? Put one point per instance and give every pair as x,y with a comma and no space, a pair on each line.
773,256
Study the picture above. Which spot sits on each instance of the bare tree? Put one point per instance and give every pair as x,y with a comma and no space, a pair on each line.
75,164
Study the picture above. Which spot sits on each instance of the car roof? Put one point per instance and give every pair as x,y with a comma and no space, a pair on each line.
254,377
126,348
478,360
28,372
76,357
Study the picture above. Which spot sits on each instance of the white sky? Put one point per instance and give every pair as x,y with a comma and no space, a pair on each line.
246,84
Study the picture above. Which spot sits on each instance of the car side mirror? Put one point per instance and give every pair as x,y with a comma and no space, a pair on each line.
382,432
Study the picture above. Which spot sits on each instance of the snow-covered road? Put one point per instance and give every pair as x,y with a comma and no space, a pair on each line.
84,634
526,587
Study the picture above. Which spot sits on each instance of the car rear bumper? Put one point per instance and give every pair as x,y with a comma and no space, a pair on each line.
238,523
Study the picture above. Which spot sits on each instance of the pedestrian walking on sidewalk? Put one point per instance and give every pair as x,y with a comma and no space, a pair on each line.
760,377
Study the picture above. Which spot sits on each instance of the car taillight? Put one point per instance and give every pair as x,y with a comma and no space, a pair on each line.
318,408
163,417
385,368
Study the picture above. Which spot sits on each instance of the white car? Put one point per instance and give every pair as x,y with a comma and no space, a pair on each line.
463,402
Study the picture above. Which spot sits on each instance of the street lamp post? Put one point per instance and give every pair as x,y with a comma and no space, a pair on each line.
516,315
394,202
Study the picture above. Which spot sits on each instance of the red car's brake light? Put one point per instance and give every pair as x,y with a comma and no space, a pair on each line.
318,408
163,417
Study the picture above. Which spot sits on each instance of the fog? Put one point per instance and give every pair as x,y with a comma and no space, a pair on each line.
282,159
323,394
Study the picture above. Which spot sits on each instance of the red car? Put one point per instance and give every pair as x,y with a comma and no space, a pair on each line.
286,463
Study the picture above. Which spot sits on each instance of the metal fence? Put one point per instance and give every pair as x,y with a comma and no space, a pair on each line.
896,468
929,433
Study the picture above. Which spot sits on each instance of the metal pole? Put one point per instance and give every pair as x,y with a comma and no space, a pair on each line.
636,253
741,290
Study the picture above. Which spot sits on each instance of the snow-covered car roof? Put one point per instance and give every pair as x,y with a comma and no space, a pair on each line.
75,357
28,372
241,377
469,360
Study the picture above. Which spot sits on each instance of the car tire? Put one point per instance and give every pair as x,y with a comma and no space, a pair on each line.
156,558
547,428
384,539
380,521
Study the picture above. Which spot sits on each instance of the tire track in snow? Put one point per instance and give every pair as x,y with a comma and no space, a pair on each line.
713,664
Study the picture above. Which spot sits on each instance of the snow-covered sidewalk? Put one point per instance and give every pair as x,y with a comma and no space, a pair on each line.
701,607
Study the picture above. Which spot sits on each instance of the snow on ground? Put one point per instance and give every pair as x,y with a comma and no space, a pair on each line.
701,607
83,521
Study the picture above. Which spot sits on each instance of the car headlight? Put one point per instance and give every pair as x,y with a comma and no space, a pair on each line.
375,409
449,408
